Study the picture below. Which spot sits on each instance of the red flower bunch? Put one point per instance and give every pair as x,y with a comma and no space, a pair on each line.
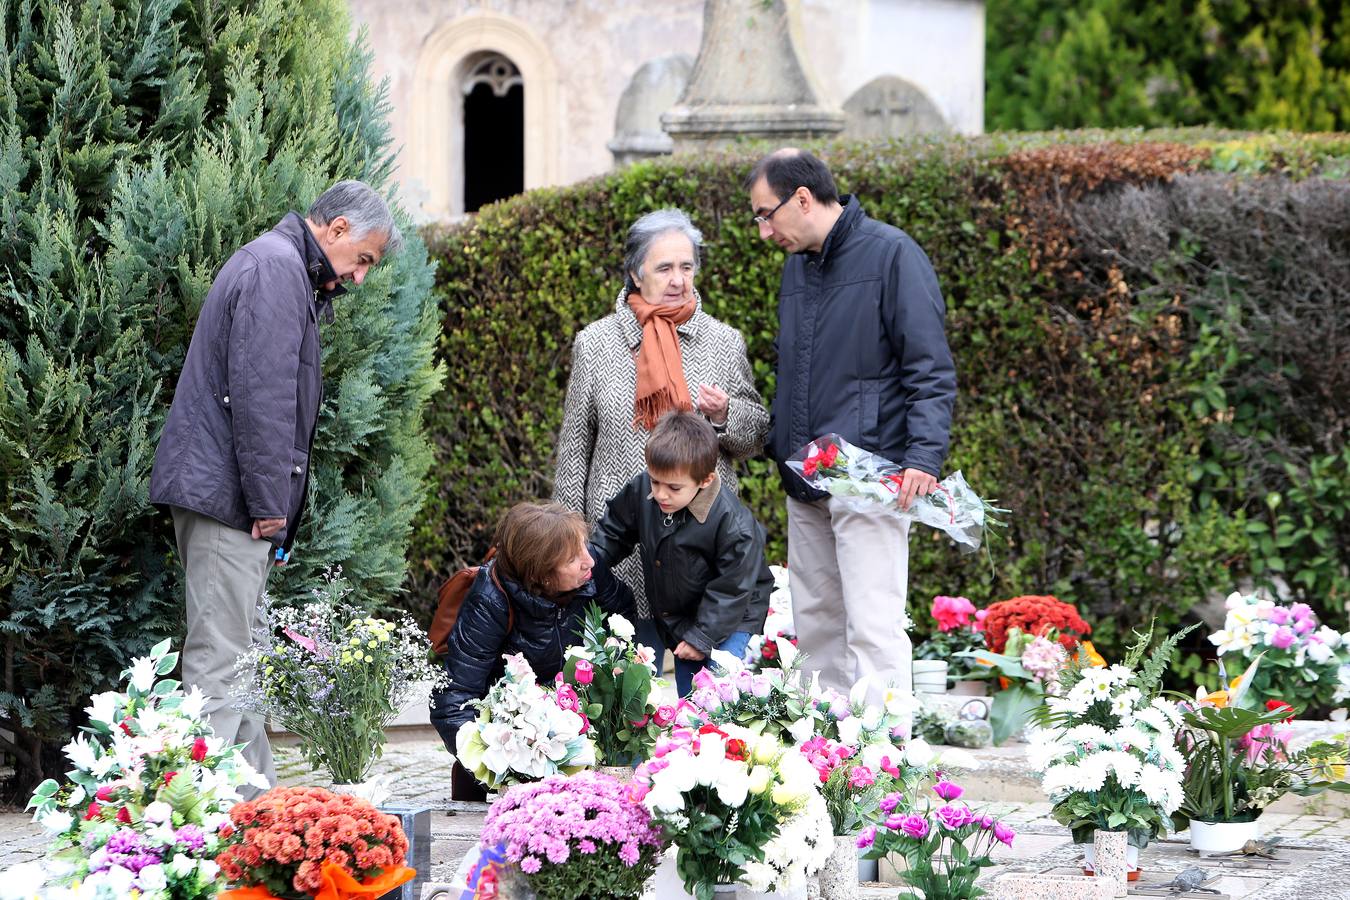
289,841
1034,615
820,459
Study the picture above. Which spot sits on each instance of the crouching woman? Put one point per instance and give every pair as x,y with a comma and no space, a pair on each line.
530,599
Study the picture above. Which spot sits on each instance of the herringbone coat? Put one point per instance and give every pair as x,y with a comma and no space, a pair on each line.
599,447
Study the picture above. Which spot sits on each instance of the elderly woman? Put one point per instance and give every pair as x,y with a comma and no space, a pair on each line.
530,598
659,350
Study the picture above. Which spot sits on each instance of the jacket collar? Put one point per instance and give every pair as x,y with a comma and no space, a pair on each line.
533,605
843,227
632,330
703,501
294,229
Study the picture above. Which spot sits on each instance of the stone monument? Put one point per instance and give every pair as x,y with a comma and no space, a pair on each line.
890,107
748,82
652,90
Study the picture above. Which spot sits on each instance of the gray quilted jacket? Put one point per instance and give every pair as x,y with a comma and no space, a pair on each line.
600,449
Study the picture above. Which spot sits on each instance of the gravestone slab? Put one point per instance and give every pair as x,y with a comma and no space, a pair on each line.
652,90
891,107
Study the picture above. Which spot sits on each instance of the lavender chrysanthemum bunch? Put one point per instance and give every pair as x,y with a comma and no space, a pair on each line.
586,835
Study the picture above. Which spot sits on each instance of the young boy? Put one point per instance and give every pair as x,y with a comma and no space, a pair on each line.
702,551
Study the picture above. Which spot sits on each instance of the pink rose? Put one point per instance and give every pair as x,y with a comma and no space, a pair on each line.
585,672
665,715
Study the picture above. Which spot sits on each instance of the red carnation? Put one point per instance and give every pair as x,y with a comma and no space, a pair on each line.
828,458
199,749
124,816
104,793
769,650
168,776
92,812
736,749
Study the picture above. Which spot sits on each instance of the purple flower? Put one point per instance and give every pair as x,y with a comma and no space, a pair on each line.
954,817
629,854
948,791
895,820
586,846
1004,833
1303,626
1280,616
890,802
1283,638
530,864
139,861
867,836
190,836
914,826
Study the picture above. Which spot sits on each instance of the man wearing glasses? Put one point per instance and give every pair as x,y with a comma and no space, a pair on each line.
862,352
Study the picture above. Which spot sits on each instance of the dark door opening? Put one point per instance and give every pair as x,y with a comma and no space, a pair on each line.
494,134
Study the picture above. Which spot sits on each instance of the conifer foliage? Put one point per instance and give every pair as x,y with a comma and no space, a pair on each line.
142,142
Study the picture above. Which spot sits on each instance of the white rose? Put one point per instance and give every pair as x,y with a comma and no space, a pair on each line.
152,878
182,865
621,627
918,753
159,811
802,729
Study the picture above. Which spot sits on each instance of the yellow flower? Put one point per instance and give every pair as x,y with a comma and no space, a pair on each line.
372,644
344,658
760,779
367,657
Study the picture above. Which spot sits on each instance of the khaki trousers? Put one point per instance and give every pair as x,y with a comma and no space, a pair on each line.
225,571
848,572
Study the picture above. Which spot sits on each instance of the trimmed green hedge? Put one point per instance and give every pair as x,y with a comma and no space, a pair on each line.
1125,400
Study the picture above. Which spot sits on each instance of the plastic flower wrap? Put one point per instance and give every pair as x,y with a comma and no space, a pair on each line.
1300,656
336,677
304,841
612,681
776,647
833,465
581,836
944,842
727,797
523,732
771,701
147,797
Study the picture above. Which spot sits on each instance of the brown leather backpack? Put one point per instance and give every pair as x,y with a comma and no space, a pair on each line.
450,598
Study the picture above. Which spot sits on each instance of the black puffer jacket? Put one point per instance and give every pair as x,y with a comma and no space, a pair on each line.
705,571
539,628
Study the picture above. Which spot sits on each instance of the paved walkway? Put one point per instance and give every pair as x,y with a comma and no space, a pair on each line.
419,765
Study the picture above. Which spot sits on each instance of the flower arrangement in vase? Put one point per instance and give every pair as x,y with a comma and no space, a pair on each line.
583,837
1027,670
944,846
294,843
738,806
524,732
1299,656
336,677
612,682
1239,761
772,701
147,796
1107,757
959,630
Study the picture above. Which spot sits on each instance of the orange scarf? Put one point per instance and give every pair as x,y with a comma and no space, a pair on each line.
660,368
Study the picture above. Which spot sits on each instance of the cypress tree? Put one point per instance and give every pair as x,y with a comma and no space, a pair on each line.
142,142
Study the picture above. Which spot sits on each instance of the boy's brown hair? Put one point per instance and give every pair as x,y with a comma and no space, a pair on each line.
533,540
683,442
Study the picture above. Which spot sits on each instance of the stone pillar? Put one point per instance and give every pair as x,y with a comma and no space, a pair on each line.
748,82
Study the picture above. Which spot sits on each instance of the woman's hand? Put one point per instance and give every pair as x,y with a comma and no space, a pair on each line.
688,652
712,402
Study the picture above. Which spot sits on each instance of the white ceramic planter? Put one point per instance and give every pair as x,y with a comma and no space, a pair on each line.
1222,837
930,676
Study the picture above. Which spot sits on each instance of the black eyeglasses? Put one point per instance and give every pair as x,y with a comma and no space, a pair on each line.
764,219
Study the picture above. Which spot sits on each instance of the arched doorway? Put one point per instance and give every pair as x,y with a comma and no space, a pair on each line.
494,130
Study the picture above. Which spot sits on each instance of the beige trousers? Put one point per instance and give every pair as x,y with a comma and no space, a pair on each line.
225,571
848,571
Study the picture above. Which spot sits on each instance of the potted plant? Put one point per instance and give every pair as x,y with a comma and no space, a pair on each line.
1028,668
144,809
1107,753
944,847
957,632
740,807
611,680
293,843
1238,762
336,678
1299,656
583,837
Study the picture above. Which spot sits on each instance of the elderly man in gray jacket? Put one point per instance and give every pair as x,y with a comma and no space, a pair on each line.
233,460
862,352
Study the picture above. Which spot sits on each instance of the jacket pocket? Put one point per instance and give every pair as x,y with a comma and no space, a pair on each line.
869,410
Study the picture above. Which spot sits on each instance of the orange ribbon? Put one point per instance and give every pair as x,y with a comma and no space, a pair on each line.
338,884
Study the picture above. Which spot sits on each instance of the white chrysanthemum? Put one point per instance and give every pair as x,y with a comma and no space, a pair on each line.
1132,737
1151,718
1076,703
1168,709
757,876
1087,734
1163,789
1044,748
55,820
1123,704
1125,766
1170,759
23,881
1092,771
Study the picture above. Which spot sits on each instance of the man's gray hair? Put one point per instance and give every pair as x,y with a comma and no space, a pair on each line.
646,230
363,208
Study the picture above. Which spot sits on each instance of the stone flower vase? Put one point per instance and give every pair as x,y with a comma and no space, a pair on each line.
1110,858
838,878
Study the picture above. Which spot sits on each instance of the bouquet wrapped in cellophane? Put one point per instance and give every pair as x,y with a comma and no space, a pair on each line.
864,479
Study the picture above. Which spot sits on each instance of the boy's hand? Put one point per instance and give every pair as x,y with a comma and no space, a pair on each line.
688,652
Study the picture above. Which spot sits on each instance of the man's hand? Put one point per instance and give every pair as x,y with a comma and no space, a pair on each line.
914,483
712,402
688,652
265,528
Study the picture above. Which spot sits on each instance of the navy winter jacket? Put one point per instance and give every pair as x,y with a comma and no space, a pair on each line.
862,350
